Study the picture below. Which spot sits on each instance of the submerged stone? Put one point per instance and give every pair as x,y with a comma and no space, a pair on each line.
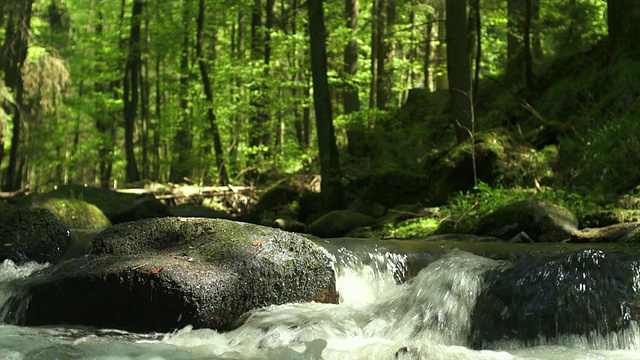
163,274
588,293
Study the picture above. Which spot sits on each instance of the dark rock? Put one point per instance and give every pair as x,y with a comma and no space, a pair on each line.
190,210
290,225
338,223
74,213
118,207
391,188
588,293
163,274
367,207
31,235
539,219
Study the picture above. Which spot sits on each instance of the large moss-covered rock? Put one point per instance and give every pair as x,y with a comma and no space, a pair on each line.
338,223
588,293
162,274
540,220
31,235
118,207
495,155
74,213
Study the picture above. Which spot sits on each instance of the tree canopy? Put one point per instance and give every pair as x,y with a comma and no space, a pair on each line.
96,92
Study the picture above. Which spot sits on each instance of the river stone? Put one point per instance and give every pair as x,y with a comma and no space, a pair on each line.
338,223
31,235
588,293
167,273
540,220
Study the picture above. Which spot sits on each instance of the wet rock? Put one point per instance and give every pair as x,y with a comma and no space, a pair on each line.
367,207
338,223
539,219
588,293
190,210
31,235
163,274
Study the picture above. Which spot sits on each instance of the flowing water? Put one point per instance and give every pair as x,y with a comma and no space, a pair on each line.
380,316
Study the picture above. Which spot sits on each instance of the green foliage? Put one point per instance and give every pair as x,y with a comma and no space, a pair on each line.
464,210
417,227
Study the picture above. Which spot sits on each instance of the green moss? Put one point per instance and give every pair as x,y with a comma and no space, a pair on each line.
74,213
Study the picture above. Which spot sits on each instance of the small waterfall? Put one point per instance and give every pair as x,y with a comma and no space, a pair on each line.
10,274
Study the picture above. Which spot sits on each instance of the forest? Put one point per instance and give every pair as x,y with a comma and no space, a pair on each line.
246,92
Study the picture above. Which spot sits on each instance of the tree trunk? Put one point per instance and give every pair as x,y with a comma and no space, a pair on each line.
375,29
623,19
350,97
459,68
131,92
206,83
14,52
386,49
515,52
181,157
331,182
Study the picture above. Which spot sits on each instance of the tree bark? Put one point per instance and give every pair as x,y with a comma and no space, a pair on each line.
131,92
623,19
386,48
181,157
515,51
331,182
206,83
350,97
459,68
14,52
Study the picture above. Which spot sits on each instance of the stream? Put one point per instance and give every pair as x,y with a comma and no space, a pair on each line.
398,300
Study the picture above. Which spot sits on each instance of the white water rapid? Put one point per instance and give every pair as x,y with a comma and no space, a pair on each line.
378,317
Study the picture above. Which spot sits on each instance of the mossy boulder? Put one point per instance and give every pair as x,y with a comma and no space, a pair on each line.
338,223
538,220
31,235
587,293
495,156
74,213
118,207
163,274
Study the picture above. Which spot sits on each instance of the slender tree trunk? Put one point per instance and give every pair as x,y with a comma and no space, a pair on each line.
515,52
475,28
145,112
459,68
180,167
206,83
131,92
386,51
351,100
375,29
623,19
528,54
14,53
331,183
